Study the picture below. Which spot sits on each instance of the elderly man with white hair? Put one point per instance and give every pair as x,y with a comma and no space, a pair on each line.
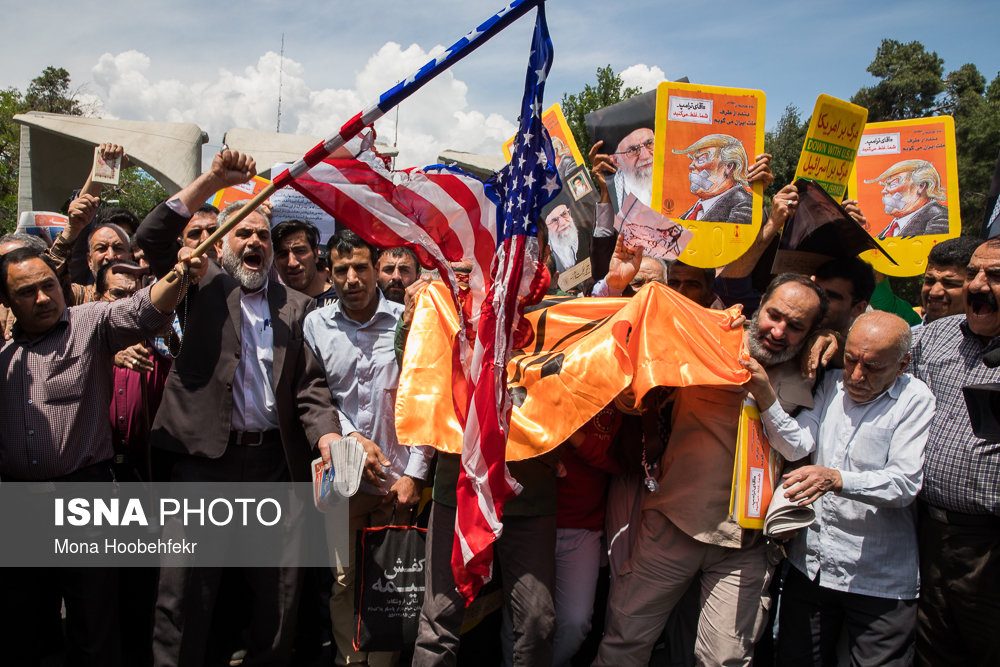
856,566
245,401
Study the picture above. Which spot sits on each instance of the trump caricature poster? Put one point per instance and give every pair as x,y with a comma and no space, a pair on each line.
706,140
905,179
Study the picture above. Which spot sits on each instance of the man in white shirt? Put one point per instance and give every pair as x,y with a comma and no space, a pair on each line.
857,563
353,340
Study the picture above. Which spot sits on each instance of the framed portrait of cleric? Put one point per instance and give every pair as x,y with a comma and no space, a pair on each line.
626,128
905,179
706,140
570,223
576,184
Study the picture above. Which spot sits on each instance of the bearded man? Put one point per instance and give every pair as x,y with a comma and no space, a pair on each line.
245,401
633,159
686,527
569,243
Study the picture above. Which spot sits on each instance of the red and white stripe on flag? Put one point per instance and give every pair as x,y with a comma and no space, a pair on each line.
443,215
485,484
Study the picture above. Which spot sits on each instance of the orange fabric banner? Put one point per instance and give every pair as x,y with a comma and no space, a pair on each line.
584,353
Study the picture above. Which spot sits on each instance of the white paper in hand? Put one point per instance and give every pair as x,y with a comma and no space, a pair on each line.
784,516
658,235
348,458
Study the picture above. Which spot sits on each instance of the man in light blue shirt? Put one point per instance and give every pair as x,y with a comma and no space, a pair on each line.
857,563
353,341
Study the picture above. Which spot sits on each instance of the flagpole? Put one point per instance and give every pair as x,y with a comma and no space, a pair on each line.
387,101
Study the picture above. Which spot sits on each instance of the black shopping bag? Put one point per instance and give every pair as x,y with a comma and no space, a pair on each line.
389,587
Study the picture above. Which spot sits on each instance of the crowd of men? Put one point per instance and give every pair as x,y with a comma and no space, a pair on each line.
270,348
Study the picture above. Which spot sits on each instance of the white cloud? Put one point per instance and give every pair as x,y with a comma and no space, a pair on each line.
642,76
436,118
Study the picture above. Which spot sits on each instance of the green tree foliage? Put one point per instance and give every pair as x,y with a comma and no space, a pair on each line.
910,81
784,143
610,89
136,191
976,111
49,91
11,103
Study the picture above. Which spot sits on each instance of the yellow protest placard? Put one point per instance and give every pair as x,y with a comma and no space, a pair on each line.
831,144
563,142
706,140
756,471
905,179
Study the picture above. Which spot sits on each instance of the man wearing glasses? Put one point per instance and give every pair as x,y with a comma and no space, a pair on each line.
718,175
634,161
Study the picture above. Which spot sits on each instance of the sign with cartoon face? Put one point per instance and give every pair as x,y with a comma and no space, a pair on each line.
706,140
905,179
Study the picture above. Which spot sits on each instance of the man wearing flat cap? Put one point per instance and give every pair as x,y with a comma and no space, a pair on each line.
913,198
718,175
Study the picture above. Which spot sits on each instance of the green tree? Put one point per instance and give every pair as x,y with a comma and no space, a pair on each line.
910,81
11,103
913,85
976,111
784,143
49,91
610,89
136,191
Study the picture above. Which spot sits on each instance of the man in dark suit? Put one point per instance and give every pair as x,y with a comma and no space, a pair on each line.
718,175
245,401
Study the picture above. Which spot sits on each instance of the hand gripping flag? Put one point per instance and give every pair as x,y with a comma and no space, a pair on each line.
446,217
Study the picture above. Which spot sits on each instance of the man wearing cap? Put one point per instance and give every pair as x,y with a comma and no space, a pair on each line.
718,175
913,196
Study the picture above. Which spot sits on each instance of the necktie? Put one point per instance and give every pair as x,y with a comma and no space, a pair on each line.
893,226
693,215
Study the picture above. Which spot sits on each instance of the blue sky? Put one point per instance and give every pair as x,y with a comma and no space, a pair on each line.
209,63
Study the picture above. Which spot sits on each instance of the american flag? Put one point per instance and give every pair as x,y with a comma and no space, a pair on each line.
445,216
520,190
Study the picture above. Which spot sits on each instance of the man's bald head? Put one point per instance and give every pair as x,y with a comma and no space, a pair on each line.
876,352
